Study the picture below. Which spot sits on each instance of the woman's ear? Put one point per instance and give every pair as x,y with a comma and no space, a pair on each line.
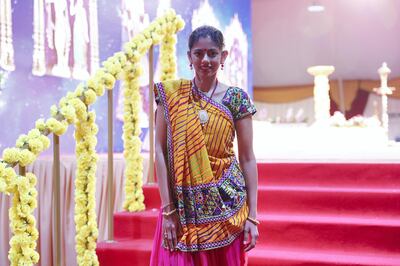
224,56
189,57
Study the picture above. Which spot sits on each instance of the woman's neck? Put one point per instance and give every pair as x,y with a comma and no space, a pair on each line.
205,84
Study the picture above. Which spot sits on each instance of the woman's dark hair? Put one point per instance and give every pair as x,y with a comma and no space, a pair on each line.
204,32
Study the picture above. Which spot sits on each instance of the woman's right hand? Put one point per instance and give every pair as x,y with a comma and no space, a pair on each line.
171,228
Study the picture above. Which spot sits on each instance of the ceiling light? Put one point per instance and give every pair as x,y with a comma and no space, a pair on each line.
315,8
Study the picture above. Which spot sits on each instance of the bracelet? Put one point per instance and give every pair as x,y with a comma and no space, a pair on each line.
168,213
166,205
253,220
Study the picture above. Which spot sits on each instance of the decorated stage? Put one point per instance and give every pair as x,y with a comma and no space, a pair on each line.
327,196
318,186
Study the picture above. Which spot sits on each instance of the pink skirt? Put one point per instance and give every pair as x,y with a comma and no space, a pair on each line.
231,255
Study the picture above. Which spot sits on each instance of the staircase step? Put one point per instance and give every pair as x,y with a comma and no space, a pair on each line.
330,232
137,252
383,202
125,252
151,196
380,175
133,225
309,231
326,200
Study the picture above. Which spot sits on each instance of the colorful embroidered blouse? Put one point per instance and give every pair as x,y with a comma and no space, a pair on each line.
208,184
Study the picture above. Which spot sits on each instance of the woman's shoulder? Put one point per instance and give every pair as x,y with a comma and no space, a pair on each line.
234,94
171,86
172,83
238,101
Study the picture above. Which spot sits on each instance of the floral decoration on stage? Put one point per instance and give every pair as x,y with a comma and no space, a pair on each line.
161,30
22,222
74,109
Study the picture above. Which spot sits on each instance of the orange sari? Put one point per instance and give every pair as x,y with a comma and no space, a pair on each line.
205,178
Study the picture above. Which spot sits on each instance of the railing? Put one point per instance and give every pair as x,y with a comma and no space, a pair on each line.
74,109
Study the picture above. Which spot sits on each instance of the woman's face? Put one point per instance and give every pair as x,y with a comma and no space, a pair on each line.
206,57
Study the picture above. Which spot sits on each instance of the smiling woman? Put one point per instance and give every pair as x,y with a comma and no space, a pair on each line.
209,199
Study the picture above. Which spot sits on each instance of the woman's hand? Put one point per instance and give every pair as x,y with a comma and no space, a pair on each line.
171,228
250,235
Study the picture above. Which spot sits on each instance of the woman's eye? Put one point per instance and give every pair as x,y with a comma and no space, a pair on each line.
212,54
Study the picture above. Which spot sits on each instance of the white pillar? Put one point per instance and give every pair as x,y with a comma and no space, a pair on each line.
322,102
384,91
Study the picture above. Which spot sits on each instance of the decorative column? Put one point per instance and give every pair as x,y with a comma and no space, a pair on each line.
94,36
6,46
39,59
321,92
384,91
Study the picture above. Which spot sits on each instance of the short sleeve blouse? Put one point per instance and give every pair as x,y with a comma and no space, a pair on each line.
239,103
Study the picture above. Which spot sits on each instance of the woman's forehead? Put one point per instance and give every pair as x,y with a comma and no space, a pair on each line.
204,43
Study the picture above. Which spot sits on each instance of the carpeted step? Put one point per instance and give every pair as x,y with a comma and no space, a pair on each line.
383,202
131,225
137,253
125,252
369,202
358,234
330,174
151,196
308,231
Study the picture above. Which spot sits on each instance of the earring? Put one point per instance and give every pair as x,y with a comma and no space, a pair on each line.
191,66
222,66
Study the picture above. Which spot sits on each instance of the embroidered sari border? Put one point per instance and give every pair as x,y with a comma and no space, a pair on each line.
170,145
220,218
230,178
220,106
207,246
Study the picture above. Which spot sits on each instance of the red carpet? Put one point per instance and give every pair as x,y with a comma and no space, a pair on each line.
310,213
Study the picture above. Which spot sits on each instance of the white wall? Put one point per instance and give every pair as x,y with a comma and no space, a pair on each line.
355,36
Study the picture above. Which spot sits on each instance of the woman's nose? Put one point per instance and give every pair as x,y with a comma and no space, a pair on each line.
206,59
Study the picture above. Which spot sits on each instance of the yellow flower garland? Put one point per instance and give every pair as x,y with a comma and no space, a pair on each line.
23,223
73,109
134,199
161,30
85,188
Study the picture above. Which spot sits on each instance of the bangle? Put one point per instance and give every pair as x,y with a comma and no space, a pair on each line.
166,205
166,214
253,220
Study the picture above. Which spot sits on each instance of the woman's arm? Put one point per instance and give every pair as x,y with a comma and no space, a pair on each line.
247,160
160,151
170,225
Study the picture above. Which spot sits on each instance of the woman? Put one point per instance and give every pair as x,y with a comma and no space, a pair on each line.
209,199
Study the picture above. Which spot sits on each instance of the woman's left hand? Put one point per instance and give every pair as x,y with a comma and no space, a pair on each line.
250,236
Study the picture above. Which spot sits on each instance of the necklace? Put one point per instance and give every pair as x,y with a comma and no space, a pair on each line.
203,115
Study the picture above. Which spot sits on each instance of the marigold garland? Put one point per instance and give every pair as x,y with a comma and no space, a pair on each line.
161,30
85,188
73,109
134,199
23,223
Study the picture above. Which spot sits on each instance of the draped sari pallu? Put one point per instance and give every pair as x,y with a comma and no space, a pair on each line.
208,185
